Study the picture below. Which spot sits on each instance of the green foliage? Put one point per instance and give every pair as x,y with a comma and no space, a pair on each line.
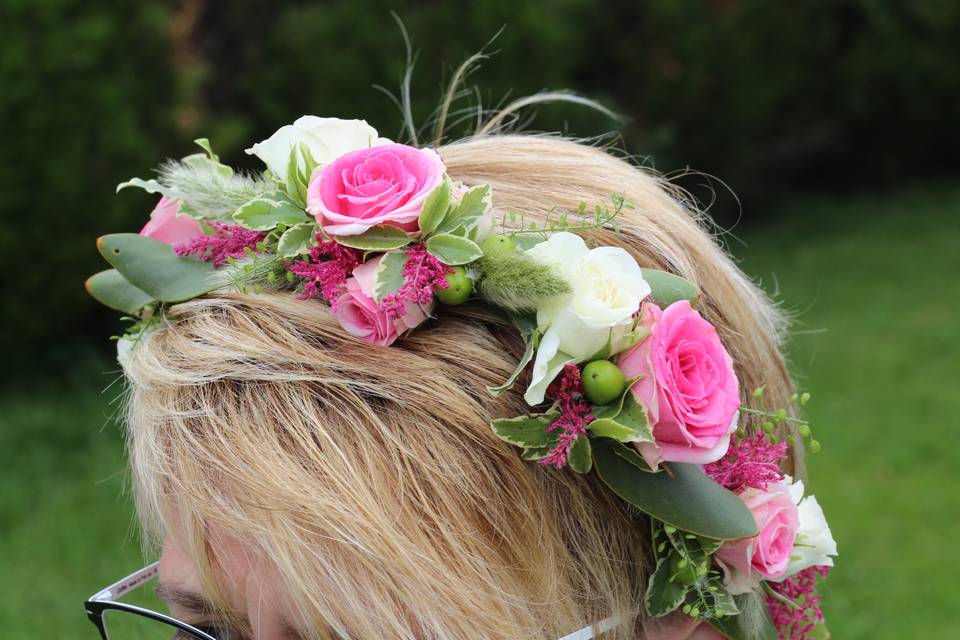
268,210
113,290
300,166
529,433
581,455
463,217
668,288
297,240
680,495
452,249
153,267
753,623
527,325
257,273
628,424
684,576
389,275
435,208
381,237
207,191
516,282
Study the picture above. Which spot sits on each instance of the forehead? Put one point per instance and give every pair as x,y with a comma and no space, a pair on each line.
252,590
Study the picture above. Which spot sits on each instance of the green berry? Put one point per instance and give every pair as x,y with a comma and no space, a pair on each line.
814,446
804,430
603,382
682,570
498,246
459,287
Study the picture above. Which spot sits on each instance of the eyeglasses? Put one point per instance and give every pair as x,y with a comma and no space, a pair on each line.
135,617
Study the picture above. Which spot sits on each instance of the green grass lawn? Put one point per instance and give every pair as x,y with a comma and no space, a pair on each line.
874,284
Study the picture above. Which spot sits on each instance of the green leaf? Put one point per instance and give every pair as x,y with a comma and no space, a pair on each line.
435,208
753,624
296,186
581,457
381,237
112,289
537,453
668,288
663,596
208,159
631,455
266,211
680,495
527,325
150,186
453,250
629,425
297,240
153,267
389,275
526,431
466,214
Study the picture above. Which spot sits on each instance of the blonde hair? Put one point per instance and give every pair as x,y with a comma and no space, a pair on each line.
369,478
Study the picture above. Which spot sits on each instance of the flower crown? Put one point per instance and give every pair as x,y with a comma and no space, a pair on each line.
628,379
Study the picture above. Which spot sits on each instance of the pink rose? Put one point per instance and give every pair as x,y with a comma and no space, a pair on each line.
387,184
166,225
766,555
359,315
688,386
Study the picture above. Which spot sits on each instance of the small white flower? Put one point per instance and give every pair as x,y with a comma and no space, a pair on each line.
607,288
326,138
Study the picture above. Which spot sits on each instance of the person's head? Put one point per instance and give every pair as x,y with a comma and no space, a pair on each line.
295,472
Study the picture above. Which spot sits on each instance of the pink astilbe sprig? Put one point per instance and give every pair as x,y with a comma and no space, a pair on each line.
797,622
227,241
574,417
327,271
423,274
750,462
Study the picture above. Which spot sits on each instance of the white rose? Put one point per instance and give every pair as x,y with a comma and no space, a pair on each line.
326,138
814,545
608,287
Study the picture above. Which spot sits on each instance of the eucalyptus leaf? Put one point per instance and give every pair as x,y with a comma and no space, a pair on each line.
453,250
668,288
663,595
466,214
153,267
631,455
753,623
297,240
435,208
381,237
580,458
389,275
266,211
110,288
680,495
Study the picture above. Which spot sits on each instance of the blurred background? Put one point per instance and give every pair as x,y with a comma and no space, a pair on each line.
833,121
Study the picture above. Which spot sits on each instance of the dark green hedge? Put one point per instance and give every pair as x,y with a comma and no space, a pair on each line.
771,97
